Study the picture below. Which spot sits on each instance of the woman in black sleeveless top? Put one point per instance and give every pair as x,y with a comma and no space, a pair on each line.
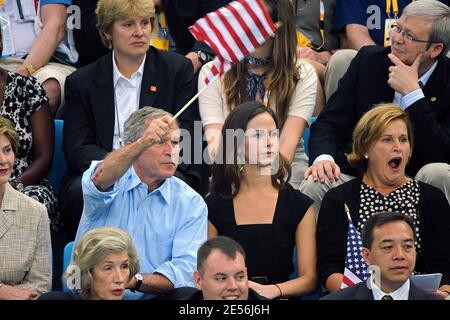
251,203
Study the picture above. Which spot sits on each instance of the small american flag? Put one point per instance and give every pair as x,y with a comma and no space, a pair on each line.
355,267
233,32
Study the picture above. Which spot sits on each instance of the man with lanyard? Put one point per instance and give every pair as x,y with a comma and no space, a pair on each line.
315,35
368,22
361,23
34,34
414,73
163,40
318,41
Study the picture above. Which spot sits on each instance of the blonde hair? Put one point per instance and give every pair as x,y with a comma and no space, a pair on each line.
370,128
93,247
7,129
110,11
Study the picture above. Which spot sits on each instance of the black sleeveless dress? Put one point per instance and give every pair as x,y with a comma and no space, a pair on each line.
269,248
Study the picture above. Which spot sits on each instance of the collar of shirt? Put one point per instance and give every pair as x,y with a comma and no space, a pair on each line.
428,74
401,293
135,78
163,189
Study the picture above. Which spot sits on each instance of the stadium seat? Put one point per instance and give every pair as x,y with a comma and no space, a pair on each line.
59,164
66,261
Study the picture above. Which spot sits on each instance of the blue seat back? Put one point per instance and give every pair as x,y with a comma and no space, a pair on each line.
59,164
66,261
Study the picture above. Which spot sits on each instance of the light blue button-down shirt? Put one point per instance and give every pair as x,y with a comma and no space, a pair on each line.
168,225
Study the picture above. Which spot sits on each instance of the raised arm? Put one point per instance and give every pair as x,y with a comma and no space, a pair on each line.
119,161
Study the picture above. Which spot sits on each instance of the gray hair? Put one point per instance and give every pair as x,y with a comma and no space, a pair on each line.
438,13
93,247
137,122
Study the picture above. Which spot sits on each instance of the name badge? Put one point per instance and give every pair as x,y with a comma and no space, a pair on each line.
161,44
388,26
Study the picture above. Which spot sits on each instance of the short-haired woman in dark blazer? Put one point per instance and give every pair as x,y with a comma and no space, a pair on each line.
101,96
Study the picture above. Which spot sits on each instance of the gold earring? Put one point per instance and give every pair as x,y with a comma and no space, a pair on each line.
366,156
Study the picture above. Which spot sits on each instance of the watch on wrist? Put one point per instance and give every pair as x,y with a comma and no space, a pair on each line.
203,57
139,280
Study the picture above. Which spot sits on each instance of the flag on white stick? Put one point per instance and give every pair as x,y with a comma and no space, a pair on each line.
233,32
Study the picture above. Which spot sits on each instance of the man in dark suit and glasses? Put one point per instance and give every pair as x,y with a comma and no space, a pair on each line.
420,43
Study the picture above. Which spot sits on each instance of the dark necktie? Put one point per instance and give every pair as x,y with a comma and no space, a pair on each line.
387,297
420,84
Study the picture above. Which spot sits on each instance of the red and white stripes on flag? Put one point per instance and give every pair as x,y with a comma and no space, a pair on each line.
355,269
233,32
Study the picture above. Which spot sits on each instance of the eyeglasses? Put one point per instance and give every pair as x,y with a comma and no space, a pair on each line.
407,36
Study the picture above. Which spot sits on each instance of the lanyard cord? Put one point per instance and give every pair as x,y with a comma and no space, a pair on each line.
394,7
118,121
321,25
162,23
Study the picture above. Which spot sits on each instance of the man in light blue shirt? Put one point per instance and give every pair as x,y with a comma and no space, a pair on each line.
134,189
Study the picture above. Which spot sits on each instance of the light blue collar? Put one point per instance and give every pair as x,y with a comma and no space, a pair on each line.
164,189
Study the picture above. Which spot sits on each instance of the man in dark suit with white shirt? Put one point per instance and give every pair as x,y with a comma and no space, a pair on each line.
420,43
388,246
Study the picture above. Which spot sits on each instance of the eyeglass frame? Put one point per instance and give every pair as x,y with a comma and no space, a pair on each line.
398,30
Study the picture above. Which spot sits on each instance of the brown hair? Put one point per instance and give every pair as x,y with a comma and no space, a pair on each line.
225,176
283,76
225,245
370,128
7,129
